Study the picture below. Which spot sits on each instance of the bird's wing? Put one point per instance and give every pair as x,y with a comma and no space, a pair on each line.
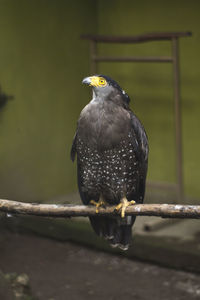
141,141
140,144
84,195
73,148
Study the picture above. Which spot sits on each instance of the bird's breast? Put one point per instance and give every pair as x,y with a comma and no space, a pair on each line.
103,124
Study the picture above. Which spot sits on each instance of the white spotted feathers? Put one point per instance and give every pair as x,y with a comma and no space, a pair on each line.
113,172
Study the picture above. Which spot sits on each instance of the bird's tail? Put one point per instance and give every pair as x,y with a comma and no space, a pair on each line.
115,230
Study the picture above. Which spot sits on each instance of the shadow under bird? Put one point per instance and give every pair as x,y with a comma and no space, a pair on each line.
112,158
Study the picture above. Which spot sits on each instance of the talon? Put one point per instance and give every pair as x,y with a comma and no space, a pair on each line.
124,203
97,204
118,207
93,202
101,202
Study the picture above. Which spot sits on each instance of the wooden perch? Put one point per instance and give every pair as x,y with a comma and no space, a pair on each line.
57,210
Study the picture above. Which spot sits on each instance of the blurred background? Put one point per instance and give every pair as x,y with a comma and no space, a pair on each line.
42,63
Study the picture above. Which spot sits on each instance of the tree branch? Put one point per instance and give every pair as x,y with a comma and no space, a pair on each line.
54,210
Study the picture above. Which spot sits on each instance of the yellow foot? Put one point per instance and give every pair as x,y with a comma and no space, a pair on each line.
101,202
124,203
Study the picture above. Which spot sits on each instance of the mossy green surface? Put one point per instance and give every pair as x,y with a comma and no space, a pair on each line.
150,85
42,63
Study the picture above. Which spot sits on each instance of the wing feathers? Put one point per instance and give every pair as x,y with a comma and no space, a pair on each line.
73,148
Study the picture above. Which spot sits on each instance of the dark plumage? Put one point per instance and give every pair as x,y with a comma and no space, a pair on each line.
112,154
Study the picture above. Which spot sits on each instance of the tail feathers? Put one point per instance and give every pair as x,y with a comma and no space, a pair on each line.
116,230
122,237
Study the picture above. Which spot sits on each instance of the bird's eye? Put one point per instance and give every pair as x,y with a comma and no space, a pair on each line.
102,82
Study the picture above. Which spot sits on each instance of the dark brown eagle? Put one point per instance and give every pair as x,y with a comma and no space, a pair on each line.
112,156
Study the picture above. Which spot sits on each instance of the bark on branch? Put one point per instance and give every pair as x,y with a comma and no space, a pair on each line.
54,210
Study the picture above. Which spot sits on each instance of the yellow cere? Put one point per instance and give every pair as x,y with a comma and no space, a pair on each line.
98,81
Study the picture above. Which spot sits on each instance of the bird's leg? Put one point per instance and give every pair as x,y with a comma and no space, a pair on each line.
124,203
101,202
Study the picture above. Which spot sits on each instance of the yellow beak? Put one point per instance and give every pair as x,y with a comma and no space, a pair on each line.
91,81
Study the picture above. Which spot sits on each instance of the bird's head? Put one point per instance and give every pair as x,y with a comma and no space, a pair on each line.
103,85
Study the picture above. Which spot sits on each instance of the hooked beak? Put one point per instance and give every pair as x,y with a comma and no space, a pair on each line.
87,81
91,81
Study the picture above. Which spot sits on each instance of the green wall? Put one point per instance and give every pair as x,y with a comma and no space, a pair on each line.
42,63
150,86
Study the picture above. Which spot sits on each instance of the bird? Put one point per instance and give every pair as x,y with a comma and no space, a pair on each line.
111,146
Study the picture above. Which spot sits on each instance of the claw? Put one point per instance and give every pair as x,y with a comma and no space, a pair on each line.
101,202
124,203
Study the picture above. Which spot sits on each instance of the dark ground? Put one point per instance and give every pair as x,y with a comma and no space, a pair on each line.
60,271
